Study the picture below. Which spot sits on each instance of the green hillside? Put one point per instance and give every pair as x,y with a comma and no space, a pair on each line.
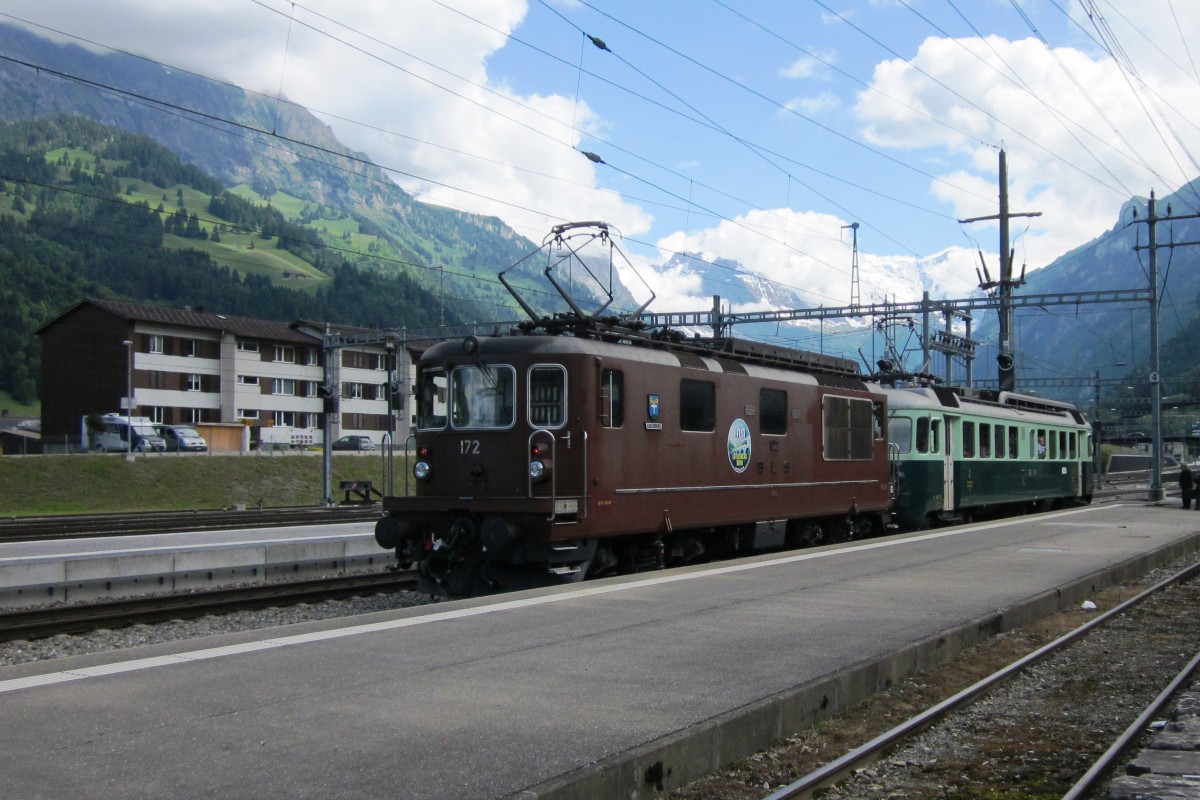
86,209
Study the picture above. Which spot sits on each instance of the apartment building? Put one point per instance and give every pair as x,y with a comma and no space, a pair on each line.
188,365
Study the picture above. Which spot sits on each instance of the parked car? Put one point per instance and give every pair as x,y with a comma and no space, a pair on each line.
182,438
114,433
354,443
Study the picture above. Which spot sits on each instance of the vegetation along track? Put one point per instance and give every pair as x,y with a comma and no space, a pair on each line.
1032,735
19,529
42,622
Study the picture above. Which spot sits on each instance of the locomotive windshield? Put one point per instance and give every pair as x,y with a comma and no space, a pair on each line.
482,396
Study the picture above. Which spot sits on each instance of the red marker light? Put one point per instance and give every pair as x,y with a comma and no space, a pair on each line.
423,452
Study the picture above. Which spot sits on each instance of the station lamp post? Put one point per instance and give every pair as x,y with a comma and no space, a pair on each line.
128,397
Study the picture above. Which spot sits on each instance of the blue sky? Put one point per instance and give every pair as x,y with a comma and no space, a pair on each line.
740,129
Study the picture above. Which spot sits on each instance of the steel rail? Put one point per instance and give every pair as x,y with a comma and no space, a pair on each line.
840,768
1104,764
38,623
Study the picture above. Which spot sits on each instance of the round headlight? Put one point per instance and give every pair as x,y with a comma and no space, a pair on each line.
536,470
421,470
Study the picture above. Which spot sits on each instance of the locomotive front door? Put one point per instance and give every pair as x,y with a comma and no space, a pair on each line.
950,425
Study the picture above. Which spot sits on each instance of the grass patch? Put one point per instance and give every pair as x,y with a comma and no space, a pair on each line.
103,483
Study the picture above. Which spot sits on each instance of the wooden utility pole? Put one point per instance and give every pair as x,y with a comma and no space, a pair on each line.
1003,288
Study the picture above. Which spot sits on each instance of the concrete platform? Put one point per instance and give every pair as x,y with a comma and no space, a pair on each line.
35,573
614,688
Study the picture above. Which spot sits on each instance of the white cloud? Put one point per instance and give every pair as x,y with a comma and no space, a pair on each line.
814,105
1074,156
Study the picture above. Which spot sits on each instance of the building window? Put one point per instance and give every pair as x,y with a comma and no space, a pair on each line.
247,413
380,360
248,380
158,380
285,354
156,344
287,418
353,390
193,383
284,386
307,419
189,348
195,415
313,357
157,414
310,388
247,346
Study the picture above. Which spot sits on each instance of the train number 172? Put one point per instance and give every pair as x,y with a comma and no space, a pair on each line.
468,447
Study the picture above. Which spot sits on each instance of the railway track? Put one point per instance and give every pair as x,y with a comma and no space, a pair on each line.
18,529
1027,714
83,618
858,759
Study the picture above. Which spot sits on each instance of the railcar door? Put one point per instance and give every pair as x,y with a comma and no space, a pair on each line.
950,425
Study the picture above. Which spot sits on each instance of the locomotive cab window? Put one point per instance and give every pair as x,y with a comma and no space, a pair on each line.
482,396
431,399
547,396
849,429
612,398
773,411
697,405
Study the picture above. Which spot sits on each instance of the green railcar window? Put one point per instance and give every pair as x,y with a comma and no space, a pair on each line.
900,433
968,439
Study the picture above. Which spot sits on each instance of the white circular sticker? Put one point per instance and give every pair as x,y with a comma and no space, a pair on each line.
738,442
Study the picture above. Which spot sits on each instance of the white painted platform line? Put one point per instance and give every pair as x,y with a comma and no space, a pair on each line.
585,591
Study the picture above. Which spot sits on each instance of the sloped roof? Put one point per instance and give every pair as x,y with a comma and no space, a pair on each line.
248,327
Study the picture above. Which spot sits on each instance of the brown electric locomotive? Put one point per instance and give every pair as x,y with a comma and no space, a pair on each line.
580,446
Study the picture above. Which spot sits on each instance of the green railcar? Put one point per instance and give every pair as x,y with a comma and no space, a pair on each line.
960,454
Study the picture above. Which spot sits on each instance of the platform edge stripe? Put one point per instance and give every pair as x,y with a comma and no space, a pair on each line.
34,681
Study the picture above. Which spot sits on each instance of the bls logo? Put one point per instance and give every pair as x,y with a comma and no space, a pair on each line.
652,406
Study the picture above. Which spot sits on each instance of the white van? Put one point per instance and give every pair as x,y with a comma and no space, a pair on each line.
114,436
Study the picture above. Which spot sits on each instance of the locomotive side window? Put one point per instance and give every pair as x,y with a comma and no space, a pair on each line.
612,398
1072,443
773,409
998,448
482,396
935,428
849,429
697,405
1062,444
900,432
968,439
877,420
431,399
547,396
1012,442
985,440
